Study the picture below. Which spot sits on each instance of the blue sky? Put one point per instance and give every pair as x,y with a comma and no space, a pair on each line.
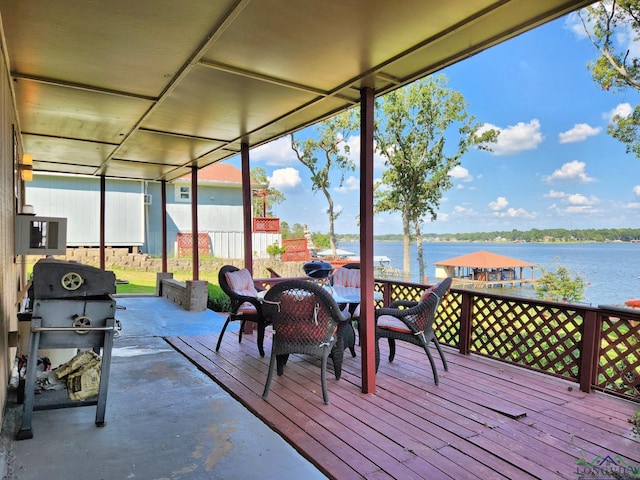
553,167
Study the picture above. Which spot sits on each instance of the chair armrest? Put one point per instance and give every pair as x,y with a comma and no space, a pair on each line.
255,301
403,303
401,312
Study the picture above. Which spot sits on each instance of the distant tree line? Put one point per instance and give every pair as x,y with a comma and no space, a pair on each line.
535,235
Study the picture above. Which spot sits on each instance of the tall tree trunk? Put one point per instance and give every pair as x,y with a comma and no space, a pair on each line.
406,246
420,251
332,234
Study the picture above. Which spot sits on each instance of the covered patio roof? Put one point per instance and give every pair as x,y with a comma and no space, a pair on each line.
153,88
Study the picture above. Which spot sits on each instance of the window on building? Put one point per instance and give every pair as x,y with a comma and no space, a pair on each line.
183,193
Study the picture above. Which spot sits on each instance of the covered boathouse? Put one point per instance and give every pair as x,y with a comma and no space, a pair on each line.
485,269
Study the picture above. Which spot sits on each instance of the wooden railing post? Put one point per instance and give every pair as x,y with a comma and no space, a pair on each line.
466,322
386,293
590,354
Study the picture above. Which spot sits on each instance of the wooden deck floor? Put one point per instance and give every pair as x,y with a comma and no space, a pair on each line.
486,420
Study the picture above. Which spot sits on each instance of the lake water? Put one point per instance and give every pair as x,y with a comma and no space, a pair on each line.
611,270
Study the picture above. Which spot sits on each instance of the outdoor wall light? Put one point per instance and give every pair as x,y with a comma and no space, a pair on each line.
26,167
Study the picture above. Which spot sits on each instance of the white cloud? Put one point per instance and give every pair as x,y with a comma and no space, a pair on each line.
636,190
460,210
579,199
516,138
574,24
350,184
276,153
580,209
336,209
500,204
443,217
515,213
632,206
460,173
621,110
554,194
579,132
580,204
354,153
285,179
353,144
570,171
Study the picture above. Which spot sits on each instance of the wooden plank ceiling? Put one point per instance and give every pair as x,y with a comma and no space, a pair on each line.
146,89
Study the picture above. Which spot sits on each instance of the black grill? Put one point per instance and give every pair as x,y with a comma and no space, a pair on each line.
318,269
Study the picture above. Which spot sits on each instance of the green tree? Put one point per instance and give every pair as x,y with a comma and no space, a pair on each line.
415,123
326,154
266,196
560,285
297,231
320,240
608,24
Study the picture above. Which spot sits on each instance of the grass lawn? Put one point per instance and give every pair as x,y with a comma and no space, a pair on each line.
145,282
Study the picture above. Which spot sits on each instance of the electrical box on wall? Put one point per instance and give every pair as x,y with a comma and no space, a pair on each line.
40,235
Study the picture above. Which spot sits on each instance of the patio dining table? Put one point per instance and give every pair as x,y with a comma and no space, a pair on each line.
350,295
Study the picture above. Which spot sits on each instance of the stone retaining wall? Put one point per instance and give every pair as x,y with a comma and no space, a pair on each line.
191,295
209,267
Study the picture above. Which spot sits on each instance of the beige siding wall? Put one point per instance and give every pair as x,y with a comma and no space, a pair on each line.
10,268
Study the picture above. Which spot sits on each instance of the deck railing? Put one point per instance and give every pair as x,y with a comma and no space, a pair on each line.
598,348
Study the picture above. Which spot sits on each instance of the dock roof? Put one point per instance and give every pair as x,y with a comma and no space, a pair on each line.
483,259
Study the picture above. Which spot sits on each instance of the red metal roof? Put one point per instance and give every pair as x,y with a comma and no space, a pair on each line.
483,259
219,173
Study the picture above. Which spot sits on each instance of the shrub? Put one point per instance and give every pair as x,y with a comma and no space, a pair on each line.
560,286
217,300
275,250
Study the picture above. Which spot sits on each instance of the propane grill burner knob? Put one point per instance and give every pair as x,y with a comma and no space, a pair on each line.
81,321
71,281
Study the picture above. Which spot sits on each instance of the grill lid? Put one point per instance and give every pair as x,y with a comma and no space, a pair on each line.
318,269
63,279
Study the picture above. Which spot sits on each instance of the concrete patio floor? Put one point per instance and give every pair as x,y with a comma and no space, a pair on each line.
164,418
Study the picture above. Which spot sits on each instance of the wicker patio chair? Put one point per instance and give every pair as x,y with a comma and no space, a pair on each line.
305,320
246,306
412,323
349,276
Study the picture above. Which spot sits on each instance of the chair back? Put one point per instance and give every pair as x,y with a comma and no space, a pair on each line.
346,277
236,283
302,313
431,300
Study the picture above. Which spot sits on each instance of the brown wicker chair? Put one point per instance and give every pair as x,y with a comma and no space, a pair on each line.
412,323
305,320
245,304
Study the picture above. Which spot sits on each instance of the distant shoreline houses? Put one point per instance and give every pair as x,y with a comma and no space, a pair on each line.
133,213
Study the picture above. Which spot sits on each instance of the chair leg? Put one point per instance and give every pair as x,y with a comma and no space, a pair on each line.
229,319
349,337
272,364
261,328
242,322
337,355
281,361
444,360
377,354
392,349
323,378
432,362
